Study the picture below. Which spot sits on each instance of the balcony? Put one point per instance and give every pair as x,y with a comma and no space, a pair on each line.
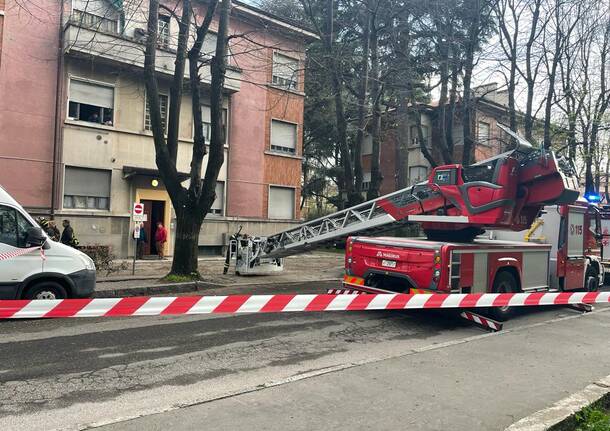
110,46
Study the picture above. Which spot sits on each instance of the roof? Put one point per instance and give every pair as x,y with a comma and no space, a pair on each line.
284,23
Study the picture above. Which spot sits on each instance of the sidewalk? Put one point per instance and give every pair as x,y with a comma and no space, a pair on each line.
307,268
484,382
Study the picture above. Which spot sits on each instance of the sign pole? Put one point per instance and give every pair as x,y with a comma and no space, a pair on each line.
138,216
135,253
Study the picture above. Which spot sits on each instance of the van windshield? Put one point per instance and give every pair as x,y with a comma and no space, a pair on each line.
13,227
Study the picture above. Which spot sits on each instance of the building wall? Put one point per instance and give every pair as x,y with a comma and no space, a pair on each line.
250,164
2,5
390,156
28,68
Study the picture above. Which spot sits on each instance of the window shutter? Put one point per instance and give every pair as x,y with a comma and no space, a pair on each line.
91,94
283,134
208,49
206,113
220,196
281,203
285,67
87,182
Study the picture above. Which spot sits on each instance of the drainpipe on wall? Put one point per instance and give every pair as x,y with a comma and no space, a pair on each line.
58,109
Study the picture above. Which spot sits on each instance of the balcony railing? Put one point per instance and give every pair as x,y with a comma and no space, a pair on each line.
95,22
80,38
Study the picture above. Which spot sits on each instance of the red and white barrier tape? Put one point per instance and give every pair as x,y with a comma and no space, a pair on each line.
482,321
20,252
344,292
185,305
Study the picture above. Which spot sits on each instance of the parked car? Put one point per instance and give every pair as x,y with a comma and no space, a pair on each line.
26,272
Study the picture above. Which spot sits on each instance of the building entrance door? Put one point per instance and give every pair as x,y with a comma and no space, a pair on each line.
155,212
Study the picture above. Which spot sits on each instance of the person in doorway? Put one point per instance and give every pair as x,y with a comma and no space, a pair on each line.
141,242
160,239
67,236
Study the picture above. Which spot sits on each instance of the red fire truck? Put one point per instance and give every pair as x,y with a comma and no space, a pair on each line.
503,196
553,255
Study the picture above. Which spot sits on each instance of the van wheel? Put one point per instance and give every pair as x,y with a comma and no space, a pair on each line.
46,290
504,283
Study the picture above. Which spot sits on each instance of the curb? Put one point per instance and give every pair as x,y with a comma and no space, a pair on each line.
189,286
552,417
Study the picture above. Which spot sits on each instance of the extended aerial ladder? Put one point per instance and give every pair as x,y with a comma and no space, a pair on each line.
456,203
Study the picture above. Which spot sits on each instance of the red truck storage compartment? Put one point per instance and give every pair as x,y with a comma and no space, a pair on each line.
401,258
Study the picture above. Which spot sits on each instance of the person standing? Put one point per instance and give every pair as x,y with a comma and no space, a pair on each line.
141,242
52,231
67,236
160,239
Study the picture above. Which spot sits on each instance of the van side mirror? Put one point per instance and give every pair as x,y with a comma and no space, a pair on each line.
35,237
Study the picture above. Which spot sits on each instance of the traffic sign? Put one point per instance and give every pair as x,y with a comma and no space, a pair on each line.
140,217
138,208
136,232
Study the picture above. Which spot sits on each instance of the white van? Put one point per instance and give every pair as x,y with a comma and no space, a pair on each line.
64,272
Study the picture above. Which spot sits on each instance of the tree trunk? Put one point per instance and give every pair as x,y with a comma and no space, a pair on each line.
362,101
442,105
333,67
455,72
402,153
531,74
188,226
473,37
376,92
422,143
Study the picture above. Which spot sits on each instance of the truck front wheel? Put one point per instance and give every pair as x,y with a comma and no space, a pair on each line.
504,283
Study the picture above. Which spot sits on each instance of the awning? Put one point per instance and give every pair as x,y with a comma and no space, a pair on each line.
132,171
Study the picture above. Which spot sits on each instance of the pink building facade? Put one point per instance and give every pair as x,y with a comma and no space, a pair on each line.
28,89
75,110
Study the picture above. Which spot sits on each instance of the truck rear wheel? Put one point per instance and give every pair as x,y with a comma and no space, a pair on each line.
591,283
504,283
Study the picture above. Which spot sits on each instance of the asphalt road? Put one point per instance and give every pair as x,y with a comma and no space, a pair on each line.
292,371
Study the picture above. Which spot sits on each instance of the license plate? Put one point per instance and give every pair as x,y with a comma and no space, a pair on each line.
388,263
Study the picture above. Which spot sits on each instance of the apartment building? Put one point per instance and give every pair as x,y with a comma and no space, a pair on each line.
104,152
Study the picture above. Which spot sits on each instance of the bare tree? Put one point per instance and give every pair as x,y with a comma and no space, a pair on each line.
192,202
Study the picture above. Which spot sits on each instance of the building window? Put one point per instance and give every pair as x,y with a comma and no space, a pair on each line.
92,103
208,49
163,105
415,136
483,135
366,181
87,188
418,174
98,23
13,227
367,145
285,71
281,203
283,137
218,205
163,31
206,117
